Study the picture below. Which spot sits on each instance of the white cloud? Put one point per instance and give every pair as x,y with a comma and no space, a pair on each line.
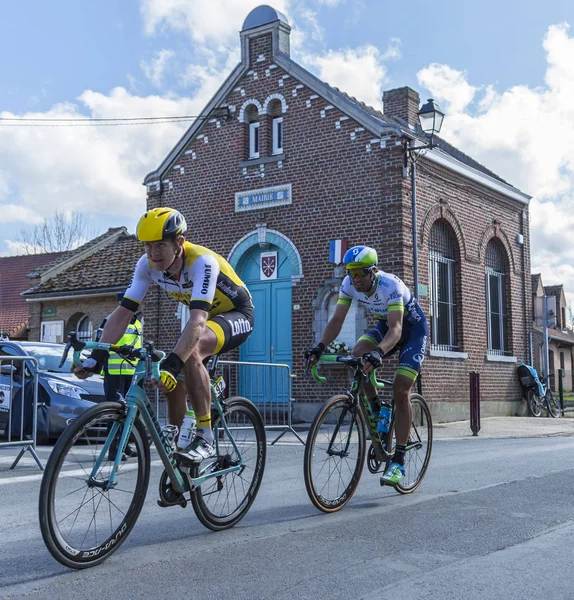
12,213
356,71
330,2
526,136
96,170
442,79
214,22
155,68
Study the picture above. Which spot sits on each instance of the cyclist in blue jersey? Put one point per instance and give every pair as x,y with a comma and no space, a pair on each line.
401,326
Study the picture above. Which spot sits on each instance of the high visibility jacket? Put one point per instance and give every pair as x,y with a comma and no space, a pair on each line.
132,337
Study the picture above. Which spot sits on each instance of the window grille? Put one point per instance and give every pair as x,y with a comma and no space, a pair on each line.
443,253
85,329
496,298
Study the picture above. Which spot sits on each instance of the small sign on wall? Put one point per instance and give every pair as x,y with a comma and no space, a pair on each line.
268,266
263,198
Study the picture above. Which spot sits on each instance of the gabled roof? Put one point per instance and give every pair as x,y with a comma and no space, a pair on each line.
102,266
14,312
370,118
554,290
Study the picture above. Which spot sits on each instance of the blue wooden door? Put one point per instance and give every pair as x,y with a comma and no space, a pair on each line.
271,340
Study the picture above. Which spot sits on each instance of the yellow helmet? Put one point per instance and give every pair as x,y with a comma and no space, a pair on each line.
160,223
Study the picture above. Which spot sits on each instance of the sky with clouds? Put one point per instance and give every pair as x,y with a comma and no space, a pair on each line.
502,72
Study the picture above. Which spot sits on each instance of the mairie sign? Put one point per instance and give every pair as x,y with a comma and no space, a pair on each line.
263,198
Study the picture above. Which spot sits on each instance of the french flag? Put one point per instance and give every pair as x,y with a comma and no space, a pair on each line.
337,249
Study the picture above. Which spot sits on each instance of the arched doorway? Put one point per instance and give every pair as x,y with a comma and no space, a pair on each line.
267,274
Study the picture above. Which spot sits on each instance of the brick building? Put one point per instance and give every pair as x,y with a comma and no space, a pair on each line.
282,163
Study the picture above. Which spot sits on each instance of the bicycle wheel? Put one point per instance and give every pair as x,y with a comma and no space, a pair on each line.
334,454
419,447
552,404
82,523
534,403
221,501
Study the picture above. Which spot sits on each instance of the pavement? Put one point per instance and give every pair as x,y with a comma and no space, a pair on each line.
506,427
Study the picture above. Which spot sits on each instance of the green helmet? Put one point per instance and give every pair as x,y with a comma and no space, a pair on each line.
360,257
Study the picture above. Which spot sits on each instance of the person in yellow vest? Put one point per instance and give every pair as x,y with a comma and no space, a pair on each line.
118,372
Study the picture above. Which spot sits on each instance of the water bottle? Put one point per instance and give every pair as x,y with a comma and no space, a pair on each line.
384,418
187,430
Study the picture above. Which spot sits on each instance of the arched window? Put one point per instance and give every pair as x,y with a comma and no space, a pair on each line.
348,332
276,112
85,329
252,120
443,258
497,271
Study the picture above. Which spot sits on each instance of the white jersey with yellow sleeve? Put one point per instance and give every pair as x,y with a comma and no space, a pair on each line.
389,294
206,282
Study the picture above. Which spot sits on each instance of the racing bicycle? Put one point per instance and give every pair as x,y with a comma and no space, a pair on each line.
336,446
96,478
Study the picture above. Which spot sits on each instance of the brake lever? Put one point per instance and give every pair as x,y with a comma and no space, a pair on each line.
65,355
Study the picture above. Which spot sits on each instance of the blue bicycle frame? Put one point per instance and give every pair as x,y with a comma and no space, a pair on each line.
137,402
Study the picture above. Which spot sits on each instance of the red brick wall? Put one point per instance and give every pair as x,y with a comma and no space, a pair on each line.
341,190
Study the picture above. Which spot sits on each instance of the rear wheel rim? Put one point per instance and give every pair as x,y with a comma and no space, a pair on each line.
220,502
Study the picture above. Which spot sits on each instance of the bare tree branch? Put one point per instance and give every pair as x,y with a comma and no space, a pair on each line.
58,233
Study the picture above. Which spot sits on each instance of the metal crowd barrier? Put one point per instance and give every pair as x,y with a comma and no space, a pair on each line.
267,385
18,426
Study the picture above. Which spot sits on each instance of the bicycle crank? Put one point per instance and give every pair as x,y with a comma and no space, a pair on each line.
167,495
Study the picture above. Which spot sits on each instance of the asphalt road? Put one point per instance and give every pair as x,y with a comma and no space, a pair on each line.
494,518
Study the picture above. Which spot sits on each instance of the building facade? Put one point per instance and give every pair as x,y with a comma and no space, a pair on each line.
283,163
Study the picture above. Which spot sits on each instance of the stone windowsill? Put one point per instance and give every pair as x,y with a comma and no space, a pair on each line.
448,354
500,358
262,161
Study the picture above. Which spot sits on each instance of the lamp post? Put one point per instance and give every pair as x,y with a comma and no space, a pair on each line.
430,118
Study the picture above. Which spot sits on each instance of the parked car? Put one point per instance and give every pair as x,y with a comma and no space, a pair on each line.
61,395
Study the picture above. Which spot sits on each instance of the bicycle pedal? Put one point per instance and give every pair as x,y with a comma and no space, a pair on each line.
181,501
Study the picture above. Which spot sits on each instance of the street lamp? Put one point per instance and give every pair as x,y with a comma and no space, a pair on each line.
430,118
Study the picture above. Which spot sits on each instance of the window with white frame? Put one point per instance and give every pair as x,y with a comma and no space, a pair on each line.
278,135
254,139
443,253
52,331
496,298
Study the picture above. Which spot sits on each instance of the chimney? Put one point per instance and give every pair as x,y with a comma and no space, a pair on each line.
402,103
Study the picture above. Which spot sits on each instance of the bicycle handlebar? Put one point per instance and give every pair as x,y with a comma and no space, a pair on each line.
125,351
350,361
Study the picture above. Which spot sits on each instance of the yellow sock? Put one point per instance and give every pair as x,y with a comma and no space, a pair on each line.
204,428
204,422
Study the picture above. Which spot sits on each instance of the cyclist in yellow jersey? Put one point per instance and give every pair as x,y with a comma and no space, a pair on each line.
220,318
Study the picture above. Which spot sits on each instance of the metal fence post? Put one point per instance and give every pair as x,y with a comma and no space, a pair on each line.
561,389
26,441
475,402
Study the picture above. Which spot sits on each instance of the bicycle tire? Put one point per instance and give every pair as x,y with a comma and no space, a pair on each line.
319,440
419,448
552,404
248,430
79,447
534,403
